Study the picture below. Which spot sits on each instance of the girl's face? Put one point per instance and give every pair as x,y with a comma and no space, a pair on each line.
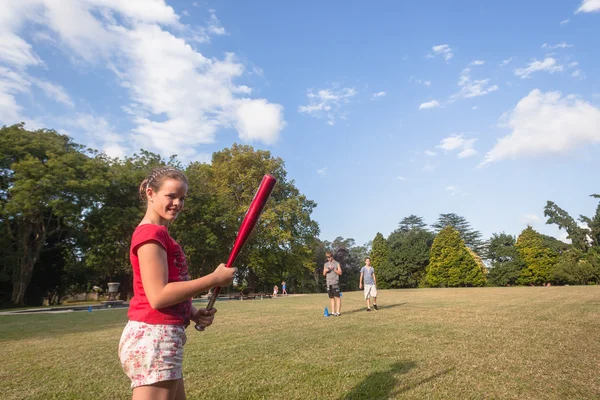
167,203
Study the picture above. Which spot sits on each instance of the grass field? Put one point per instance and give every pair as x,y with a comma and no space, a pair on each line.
488,343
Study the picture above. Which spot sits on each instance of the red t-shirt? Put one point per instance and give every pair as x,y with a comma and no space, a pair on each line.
139,307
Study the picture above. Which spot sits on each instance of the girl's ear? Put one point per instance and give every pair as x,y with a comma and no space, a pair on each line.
149,194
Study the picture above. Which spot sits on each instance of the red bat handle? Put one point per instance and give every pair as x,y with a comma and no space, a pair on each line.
252,215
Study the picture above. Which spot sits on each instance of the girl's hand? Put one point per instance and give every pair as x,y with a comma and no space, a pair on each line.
223,276
203,316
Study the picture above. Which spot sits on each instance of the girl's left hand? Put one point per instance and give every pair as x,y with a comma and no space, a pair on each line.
203,316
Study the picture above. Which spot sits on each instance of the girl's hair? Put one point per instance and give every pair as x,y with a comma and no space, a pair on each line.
156,178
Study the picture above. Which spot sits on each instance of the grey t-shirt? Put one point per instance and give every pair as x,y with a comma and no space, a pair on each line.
367,275
332,278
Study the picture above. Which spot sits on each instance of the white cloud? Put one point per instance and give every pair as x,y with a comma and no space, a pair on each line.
477,62
179,98
429,104
452,189
259,120
578,74
327,103
547,123
322,171
468,152
400,178
549,64
562,45
442,50
564,21
378,94
99,133
474,107
54,92
589,6
11,85
430,153
506,62
472,88
419,81
458,142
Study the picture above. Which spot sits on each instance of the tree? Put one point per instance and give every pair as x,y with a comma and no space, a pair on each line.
578,235
471,237
573,267
506,263
411,223
108,226
48,183
451,264
380,253
539,259
409,248
279,249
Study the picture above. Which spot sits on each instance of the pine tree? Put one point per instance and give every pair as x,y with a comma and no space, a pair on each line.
451,264
380,253
539,259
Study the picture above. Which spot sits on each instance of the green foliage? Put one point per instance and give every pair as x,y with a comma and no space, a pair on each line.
380,254
48,182
539,259
220,193
577,235
409,248
576,268
451,264
506,262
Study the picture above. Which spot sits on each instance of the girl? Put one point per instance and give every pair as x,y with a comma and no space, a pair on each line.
151,346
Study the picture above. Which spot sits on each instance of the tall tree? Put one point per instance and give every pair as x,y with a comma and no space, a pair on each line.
451,264
539,259
50,181
409,248
577,234
506,263
472,238
380,253
411,223
282,239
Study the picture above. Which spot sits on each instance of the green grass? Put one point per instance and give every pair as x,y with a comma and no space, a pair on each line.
488,343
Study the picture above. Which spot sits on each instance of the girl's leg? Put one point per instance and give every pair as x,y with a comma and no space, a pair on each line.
165,390
180,391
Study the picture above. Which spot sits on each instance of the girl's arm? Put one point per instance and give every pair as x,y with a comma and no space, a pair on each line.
155,278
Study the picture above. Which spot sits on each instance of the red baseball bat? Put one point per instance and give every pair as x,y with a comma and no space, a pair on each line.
252,215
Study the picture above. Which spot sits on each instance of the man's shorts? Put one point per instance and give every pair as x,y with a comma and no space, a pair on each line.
370,291
333,291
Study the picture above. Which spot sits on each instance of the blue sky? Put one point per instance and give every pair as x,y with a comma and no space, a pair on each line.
379,109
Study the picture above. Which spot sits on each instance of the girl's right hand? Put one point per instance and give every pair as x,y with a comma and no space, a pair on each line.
223,276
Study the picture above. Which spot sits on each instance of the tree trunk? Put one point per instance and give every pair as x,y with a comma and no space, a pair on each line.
32,238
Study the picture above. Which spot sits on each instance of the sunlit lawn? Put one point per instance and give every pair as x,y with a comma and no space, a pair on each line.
489,343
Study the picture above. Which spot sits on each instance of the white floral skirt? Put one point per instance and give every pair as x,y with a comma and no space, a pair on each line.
151,353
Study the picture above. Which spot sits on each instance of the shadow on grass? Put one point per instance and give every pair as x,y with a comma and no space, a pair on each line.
385,307
379,385
382,385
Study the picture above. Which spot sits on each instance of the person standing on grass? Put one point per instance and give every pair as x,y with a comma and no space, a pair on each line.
151,346
283,291
367,274
275,290
332,272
